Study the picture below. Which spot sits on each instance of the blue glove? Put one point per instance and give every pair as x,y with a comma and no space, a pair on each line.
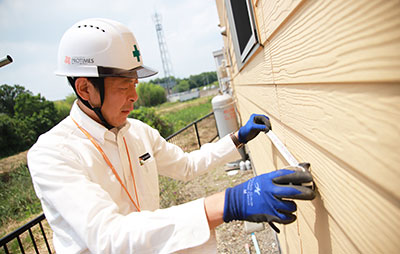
255,124
260,198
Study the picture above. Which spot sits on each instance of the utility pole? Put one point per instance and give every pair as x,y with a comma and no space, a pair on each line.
165,59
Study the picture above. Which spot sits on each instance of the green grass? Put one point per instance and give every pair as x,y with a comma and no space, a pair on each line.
183,117
18,200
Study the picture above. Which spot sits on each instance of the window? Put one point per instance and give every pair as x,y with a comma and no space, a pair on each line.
244,35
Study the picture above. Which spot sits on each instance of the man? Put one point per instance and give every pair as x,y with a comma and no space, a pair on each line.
96,173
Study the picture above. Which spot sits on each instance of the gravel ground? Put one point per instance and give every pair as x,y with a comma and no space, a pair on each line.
231,237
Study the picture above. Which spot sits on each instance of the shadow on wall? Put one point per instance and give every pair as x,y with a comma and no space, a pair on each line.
321,226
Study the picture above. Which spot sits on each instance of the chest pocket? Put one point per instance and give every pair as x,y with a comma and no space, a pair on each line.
147,182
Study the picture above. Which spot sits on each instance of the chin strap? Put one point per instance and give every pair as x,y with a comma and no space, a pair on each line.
99,83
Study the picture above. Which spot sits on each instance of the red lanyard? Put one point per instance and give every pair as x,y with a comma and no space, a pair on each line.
137,206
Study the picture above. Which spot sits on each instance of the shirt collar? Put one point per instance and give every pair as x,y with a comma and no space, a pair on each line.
95,129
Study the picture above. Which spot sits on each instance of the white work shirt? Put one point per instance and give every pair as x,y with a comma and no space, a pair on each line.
86,206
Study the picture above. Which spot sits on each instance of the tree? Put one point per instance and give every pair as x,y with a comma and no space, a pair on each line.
150,94
202,79
63,107
10,140
70,99
160,81
182,86
8,94
36,116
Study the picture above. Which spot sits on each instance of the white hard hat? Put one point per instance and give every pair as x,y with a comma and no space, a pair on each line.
100,48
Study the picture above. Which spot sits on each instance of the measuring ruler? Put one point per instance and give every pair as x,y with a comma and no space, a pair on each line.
282,149
290,159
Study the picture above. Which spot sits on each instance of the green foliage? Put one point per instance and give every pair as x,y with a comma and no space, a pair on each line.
182,86
17,196
165,80
150,94
63,107
202,79
11,141
194,81
149,116
24,117
8,94
37,114
70,99
185,116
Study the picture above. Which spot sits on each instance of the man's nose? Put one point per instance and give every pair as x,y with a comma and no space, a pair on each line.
133,96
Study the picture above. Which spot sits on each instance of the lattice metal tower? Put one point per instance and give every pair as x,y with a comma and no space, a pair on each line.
166,60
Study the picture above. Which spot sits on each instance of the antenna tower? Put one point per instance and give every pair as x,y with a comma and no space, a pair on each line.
166,60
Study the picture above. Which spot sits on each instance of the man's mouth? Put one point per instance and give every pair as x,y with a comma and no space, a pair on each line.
127,110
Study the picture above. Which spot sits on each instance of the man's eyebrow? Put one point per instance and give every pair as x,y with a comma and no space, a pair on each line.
129,80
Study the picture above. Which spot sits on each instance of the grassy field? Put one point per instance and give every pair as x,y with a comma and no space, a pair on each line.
183,114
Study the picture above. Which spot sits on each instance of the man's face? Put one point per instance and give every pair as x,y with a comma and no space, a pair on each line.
119,96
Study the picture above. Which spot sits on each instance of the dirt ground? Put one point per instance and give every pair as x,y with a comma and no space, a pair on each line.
9,163
231,237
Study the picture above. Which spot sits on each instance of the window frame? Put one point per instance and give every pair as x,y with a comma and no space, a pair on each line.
253,42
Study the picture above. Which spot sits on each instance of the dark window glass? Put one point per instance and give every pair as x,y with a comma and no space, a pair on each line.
242,22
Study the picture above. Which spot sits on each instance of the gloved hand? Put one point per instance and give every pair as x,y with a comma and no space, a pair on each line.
254,125
260,198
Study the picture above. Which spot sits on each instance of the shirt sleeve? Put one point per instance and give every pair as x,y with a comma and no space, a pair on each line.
81,208
173,162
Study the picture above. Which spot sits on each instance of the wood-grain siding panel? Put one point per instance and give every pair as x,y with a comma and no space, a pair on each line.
272,14
358,125
319,232
289,240
338,41
256,71
265,157
257,147
363,210
265,96
354,202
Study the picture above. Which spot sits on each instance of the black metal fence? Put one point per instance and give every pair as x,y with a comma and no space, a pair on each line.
189,138
27,227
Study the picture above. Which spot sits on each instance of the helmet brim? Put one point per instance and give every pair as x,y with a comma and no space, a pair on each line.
139,72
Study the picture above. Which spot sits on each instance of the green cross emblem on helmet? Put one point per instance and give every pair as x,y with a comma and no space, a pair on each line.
136,53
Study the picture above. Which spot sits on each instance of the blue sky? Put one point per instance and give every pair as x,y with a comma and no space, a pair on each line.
31,30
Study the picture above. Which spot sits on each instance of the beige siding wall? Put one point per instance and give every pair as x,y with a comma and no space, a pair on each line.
328,75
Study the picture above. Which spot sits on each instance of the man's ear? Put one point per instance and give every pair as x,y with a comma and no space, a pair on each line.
83,88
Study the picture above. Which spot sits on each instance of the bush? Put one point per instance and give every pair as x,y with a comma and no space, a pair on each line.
150,94
149,116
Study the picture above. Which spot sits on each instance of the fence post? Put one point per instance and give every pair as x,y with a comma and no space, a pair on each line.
197,134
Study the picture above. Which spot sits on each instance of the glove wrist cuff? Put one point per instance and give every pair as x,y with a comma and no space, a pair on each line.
227,216
236,141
